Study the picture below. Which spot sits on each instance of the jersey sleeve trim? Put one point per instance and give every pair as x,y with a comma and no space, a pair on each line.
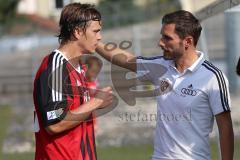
221,84
57,77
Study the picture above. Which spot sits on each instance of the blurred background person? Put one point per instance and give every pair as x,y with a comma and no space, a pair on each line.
238,67
94,65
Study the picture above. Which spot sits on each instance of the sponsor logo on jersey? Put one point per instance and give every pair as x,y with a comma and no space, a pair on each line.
189,91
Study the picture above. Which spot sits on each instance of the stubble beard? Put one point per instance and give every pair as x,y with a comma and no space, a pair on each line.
168,55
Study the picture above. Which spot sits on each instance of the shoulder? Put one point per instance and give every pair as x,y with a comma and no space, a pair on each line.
50,63
50,58
55,57
211,69
214,74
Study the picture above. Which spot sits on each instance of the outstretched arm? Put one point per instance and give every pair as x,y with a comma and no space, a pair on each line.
118,56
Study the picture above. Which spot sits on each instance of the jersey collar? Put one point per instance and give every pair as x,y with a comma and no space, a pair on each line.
198,62
194,66
78,69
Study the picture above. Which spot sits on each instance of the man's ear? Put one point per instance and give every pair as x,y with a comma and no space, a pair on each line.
77,33
188,41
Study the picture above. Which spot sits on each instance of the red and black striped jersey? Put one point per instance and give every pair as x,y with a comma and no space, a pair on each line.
59,88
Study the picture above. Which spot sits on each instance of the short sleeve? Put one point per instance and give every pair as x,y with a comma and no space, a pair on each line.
149,69
219,97
52,92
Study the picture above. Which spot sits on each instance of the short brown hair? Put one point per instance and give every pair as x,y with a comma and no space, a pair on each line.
186,24
76,15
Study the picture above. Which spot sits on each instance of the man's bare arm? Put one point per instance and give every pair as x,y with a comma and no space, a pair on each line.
118,56
226,135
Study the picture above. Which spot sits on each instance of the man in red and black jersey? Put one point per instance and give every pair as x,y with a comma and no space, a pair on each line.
63,107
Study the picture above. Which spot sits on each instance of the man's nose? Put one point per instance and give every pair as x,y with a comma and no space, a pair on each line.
99,37
161,44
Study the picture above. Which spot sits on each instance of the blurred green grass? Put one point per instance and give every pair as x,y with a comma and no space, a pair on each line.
5,117
142,152
131,152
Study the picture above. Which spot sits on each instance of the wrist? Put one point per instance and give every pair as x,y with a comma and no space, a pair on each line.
96,103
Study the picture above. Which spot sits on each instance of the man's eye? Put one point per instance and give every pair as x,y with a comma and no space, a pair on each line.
166,38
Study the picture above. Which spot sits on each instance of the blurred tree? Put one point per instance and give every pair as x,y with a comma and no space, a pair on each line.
118,12
168,5
122,12
7,12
